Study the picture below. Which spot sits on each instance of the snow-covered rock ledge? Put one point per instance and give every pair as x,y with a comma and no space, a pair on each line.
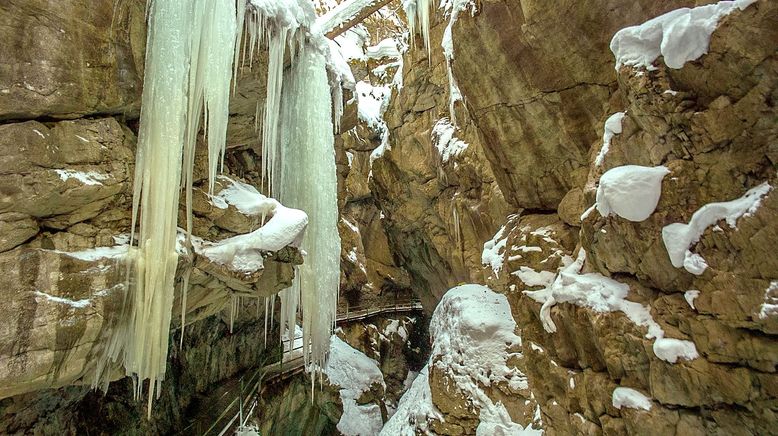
473,338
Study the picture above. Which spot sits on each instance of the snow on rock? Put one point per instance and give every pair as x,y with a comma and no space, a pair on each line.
387,48
494,249
630,191
244,252
630,398
372,103
770,305
352,43
76,304
679,36
612,128
90,178
447,144
354,373
340,15
602,294
679,237
98,253
472,330
530,277
690,296
415,409
670,350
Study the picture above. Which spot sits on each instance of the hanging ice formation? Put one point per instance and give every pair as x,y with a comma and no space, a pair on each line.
308,182
192,53
188,70
418,13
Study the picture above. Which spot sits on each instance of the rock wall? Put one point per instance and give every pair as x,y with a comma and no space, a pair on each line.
538,82
70,92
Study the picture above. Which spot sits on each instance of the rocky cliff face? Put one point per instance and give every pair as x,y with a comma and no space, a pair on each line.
70,91
539,82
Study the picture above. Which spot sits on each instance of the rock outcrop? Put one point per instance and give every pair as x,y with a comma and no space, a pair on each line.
538,83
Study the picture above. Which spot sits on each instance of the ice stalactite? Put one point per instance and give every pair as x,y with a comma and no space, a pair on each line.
453,8
189,60
308,181
279,26
142,342
418,13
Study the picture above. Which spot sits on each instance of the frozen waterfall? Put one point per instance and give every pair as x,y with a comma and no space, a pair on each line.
308,182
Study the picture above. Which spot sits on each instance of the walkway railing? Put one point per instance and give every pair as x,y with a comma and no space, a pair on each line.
230,416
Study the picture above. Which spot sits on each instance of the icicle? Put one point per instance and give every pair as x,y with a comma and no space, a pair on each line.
418,14
143,340
308,182
453,8
189,63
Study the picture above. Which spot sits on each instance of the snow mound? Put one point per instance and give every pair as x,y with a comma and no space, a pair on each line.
679,237
679,36
354,373
387,48
244,252
670,350
628,397
630,191
472,330
612,128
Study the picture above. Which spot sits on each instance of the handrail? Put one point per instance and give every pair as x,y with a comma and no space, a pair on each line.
280,369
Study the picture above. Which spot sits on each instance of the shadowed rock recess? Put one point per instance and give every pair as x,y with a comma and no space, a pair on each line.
599,314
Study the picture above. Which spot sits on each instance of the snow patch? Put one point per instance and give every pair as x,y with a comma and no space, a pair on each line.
447,144
78,304
602,294
612,128
690,296
90,178
679,36
494,248
679,237
630,398
670,350
770,305
630,191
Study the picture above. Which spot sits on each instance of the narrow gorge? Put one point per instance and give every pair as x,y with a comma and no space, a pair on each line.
388,217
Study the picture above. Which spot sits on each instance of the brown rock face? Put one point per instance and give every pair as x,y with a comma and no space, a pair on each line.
71,58
437,212
538,82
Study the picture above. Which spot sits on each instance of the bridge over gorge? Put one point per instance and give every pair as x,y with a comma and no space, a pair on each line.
236,397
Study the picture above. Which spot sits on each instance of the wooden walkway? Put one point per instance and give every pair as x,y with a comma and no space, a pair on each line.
222,413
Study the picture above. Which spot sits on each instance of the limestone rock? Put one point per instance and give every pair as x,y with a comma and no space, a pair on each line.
71,58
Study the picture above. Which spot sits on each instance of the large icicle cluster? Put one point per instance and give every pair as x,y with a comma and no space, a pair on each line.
192,55
188,65
308,182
